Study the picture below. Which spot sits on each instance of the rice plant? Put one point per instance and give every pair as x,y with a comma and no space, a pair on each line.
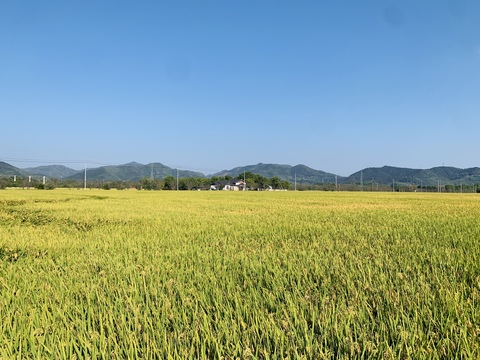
249,275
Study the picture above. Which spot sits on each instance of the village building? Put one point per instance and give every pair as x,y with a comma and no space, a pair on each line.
235,185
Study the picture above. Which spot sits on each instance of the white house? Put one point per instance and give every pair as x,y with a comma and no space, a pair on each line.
236,185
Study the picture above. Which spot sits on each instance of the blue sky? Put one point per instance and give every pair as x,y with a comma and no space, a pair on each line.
214,84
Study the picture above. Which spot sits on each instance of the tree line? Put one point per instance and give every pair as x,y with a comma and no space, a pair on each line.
253,181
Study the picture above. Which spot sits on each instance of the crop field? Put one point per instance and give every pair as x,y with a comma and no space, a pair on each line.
239,275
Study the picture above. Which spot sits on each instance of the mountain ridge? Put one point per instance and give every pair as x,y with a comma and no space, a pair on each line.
133,171
300,173
428,177
53,171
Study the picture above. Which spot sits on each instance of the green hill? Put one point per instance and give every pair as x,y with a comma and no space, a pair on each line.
426,177
302,173
10,170
52,171
133,172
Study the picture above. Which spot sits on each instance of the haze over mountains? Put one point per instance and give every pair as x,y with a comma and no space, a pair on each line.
134,171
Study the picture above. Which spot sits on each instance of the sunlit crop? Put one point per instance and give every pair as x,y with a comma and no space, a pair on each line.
248,275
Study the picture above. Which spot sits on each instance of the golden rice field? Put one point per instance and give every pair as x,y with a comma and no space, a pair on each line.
239,275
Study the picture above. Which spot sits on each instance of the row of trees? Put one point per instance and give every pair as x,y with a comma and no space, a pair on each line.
25,183
475,188
259,182
254,182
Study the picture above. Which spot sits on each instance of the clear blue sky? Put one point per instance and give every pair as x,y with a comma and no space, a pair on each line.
214,84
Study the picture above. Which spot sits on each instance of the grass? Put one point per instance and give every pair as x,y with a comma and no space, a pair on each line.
249,275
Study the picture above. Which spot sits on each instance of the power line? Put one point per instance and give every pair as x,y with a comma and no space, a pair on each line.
42,160
50,161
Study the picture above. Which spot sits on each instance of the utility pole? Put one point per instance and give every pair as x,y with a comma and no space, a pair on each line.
85,178
361,180
295,181
393,185
177,179
336,183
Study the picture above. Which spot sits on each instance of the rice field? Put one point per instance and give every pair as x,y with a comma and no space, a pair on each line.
239,275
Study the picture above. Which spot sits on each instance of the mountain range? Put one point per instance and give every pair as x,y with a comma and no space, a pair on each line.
302,174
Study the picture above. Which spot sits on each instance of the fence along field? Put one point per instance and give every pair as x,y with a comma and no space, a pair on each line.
174,275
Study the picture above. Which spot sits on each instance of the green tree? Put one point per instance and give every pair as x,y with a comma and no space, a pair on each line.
275,182
169,183
285,185
148,184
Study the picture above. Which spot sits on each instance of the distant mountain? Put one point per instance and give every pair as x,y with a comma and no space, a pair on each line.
10,170
134,164
52,171
427,177
303,173
133,172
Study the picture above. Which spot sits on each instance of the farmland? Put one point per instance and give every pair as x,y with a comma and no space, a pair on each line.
249,275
